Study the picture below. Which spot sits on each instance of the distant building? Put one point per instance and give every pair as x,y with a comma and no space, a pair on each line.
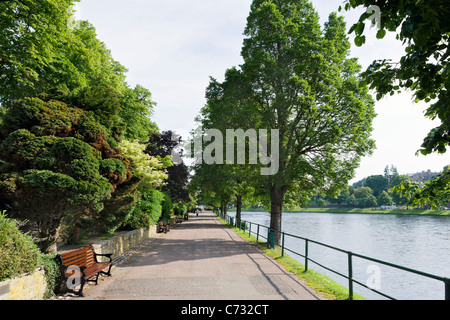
423,176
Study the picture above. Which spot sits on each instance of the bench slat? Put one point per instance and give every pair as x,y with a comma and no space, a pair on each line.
79,261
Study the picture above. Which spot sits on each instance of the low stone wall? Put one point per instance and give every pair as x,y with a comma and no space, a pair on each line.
122,243
33,286
28,287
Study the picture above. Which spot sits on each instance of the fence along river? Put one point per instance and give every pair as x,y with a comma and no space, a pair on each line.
418,242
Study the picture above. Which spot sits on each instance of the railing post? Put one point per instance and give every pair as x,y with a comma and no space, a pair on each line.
250,229
282,245
350,276
447,289
270,240
257,234
306,255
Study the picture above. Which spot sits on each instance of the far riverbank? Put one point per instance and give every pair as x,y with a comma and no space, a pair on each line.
421,212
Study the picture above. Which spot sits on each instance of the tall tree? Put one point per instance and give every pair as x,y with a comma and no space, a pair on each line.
377,183
305,85
230,109
30,32
424,29
164,145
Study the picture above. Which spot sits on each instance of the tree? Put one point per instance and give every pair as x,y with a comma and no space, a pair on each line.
344,196
55,164
148,209
305,85
363,192
390,175
384,199
163,145
377,183
229,105
423,28
31,30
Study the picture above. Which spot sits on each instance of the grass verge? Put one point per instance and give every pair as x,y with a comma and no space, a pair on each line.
320,283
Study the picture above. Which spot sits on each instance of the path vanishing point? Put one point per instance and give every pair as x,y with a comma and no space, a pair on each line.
200,259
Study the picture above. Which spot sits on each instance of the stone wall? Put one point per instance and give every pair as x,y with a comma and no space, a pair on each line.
122,243
28,287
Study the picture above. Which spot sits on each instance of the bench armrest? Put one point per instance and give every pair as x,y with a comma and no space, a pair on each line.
108,255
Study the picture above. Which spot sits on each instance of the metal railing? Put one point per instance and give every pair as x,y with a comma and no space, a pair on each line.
247,225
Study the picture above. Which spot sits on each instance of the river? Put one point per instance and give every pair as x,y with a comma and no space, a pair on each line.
418,242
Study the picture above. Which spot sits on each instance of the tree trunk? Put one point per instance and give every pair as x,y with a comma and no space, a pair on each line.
49,237
276,210
224,208
238,209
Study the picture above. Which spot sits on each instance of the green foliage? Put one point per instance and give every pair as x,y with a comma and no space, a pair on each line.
52,272
423,28
163,146
18,254
54,164
433,194
377,183
384,199
167,208
148,210
306,85
148,167
363,192
31,32
137,108
179,209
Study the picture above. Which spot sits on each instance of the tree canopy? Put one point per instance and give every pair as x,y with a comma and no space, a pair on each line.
298,78
424,29
72,131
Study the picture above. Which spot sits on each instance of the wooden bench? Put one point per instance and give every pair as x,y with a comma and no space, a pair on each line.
163,227
79,266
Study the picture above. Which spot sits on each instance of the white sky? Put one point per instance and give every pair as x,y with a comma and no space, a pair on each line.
173,47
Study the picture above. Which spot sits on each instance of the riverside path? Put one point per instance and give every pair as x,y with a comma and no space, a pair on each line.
200,259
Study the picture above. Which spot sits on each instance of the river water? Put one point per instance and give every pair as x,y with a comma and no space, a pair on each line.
417,242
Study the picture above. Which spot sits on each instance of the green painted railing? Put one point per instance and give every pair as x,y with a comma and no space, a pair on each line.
246,225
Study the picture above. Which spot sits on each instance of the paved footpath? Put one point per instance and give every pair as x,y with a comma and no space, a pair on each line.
200,259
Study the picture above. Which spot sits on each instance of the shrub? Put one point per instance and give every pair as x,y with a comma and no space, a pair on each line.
52,274
179,209
147,211
167,208
19,254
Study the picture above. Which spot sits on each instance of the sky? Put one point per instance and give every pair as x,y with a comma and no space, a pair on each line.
173,48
